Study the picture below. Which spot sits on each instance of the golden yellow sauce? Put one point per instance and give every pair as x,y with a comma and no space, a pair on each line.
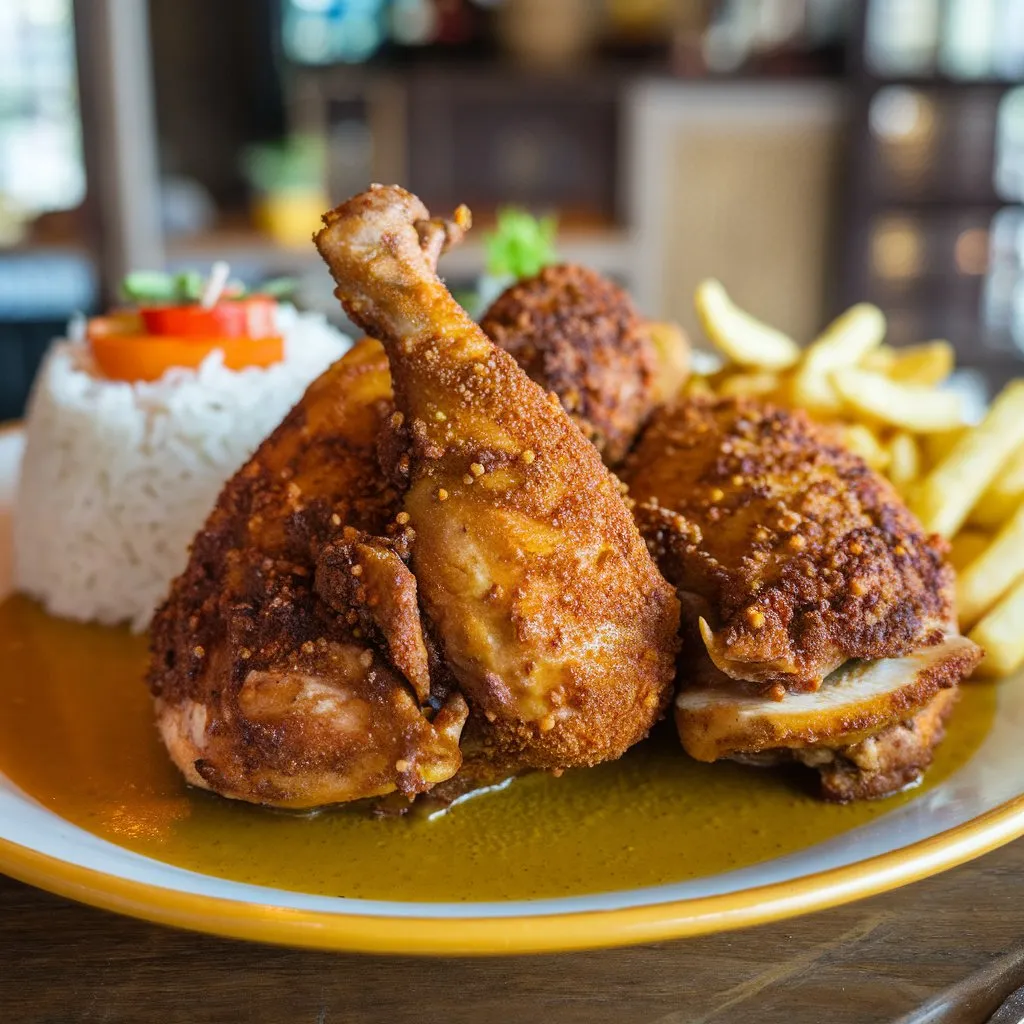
77,733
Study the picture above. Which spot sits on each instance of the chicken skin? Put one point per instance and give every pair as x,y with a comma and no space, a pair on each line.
387,562
275,683
818,616
792,554
549,613
576,333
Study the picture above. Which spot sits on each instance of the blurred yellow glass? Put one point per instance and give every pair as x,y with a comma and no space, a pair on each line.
291,217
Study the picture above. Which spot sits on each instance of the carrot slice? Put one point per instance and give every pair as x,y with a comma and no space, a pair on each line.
147,357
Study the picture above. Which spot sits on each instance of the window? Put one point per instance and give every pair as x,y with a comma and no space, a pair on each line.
41,165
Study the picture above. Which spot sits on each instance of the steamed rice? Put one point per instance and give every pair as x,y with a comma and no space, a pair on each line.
117,477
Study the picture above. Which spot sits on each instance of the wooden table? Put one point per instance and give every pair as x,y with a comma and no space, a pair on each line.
866,962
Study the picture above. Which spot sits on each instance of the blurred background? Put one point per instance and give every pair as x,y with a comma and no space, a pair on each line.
810,153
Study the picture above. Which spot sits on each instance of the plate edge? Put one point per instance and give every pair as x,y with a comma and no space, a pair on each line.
478,936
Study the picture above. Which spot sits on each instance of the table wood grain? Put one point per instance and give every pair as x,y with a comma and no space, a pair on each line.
871,961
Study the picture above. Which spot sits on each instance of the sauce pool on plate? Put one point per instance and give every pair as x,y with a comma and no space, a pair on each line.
77,734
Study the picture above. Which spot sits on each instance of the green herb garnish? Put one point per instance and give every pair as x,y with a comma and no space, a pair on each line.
189,286
293,164
157,288
149,286
278,287
522,245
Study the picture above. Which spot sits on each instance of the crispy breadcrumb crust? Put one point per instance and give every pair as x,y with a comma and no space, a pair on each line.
576,333
803,556
890,761
550,612
380,548
256,677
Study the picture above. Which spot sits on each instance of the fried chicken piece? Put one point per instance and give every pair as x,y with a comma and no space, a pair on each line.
798,555
869,731
881,765
549,611
877,766
275,681
793,559
576,333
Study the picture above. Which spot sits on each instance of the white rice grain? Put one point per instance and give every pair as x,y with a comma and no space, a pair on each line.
117,477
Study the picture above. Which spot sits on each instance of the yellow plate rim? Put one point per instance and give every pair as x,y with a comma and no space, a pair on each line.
469,935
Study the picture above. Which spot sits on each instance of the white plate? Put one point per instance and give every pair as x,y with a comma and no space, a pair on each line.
977,809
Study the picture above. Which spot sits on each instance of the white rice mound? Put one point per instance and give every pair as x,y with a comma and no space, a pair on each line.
117,478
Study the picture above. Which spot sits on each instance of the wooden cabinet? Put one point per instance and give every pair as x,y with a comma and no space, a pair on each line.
735,181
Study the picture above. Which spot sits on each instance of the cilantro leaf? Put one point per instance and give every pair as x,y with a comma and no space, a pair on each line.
522,245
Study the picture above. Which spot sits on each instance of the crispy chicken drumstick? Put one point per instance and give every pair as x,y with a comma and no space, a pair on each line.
551,616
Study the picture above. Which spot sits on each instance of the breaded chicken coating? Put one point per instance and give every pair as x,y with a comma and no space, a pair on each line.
275,683
550,614
427,538
576,333
791,554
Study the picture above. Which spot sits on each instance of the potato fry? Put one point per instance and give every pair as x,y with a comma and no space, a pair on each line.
757,384
716,378
992,573
966,546
1003,495
904,460
878,360
697,387
1001,635
862,441
947,494
844,342
745,340
937,446
673,352
927,364
911,407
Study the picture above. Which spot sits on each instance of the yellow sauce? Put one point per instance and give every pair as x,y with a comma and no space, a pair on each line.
77,733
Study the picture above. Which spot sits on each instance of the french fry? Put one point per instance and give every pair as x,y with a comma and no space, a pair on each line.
1003,495
697,387
992,573
742,338
879,360
966,546
862,441
911,407
1001,635
937,446
757,384
904,460
947,494
716,378
927,364
673,354
844,342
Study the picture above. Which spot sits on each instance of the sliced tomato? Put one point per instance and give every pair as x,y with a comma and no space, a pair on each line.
240,318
